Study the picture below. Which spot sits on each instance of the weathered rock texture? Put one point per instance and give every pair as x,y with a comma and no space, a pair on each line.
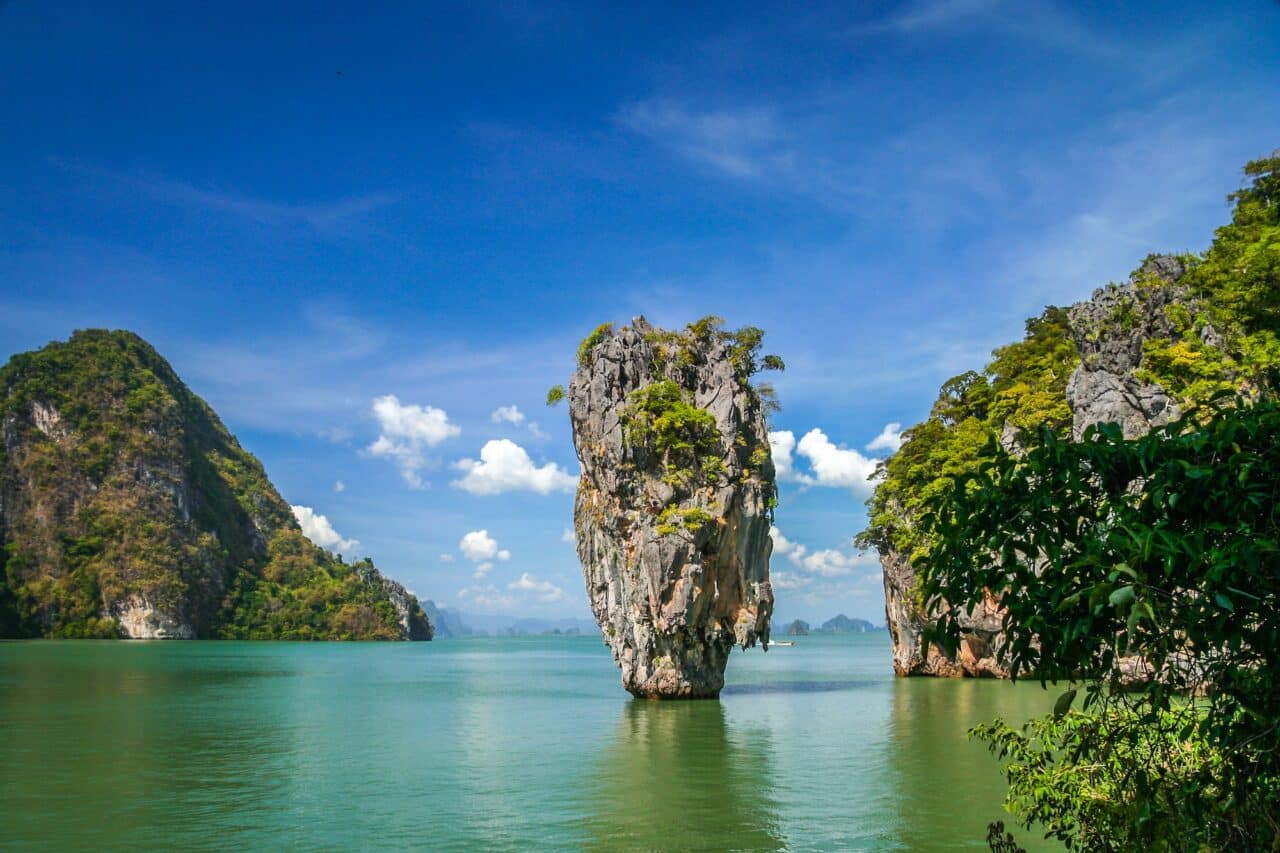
1109,331
676,564
128,510
410,615
983,634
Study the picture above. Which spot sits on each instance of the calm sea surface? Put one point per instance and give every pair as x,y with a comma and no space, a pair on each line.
506,744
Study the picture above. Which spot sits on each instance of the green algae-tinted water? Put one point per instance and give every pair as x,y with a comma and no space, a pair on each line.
508,744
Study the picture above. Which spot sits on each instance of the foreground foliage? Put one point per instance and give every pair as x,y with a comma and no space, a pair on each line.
1149,569
1146,572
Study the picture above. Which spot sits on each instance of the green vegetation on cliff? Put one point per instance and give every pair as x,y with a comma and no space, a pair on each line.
1223,334
121,490
1156,562
1024,386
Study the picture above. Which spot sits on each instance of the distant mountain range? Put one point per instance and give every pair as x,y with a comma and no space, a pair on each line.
450,623
840,624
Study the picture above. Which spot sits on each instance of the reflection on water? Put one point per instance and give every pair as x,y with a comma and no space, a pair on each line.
795,687
674,778
498,744
120,746
947,785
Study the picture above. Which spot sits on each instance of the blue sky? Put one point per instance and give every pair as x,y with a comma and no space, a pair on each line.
362,230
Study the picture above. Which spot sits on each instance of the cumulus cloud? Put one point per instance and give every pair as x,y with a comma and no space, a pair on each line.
784,546
481,570
542,590
478,546
830,464
788,580
505,466
507,415
568,536
827,563
890,439
339,486
833,465
318,529
830,563
406,433
782,443
512,415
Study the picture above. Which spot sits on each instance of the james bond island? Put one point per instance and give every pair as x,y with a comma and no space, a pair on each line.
676,499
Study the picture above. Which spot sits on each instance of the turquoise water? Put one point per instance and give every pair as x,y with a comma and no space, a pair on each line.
486,743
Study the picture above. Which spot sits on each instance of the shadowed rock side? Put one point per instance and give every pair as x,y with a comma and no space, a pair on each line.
673,509
1109,333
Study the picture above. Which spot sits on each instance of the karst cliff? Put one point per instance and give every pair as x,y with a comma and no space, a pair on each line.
676,498
128,510
1180,333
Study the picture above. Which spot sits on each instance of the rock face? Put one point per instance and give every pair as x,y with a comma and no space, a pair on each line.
1109,331
128,510
673,510
412,618
907,623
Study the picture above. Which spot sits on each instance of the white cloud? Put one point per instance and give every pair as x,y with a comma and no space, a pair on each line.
782,443
537,431
525,588
482,570
318,529
543,590
831,465
446,558
504,466
478,546
486,596
830,563
339,486
507,414
784,546
336,435
837,466
788,580
890,439
827,562
568,536
407,431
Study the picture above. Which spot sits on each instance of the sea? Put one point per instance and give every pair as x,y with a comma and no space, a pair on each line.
486,743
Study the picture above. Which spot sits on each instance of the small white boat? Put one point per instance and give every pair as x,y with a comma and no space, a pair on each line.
781,643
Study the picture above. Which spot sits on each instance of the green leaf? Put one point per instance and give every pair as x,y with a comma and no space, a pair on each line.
1224,602
1063,704
1122,596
